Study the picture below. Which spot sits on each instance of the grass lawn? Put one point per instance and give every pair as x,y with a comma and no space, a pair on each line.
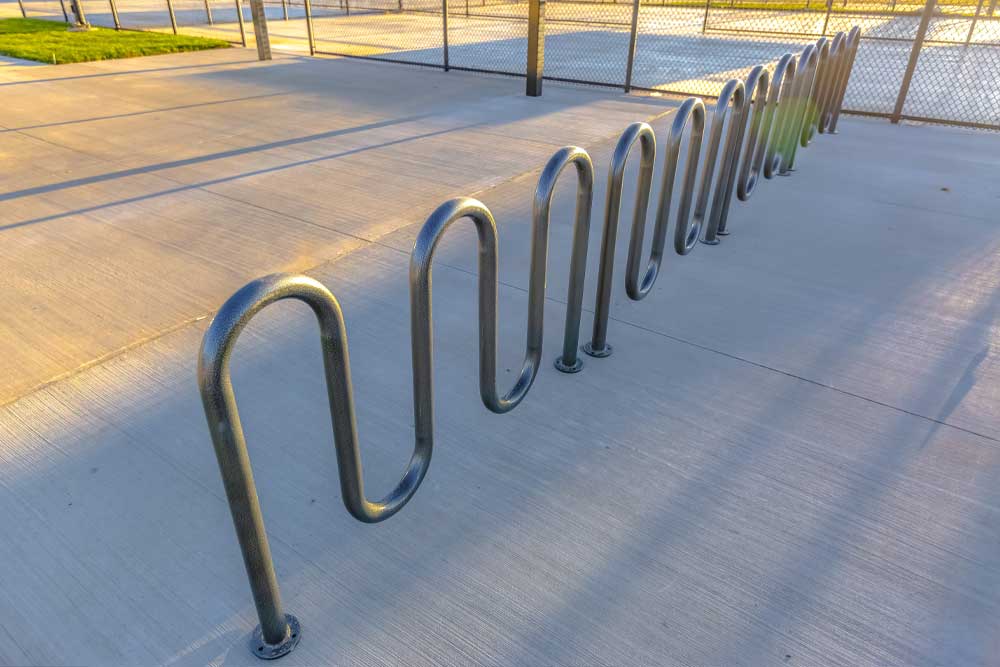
51,42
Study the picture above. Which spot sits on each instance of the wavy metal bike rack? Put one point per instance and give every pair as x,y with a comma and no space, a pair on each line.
278,632
802,97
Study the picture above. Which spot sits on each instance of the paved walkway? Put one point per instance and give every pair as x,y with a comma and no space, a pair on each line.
184,177
791,458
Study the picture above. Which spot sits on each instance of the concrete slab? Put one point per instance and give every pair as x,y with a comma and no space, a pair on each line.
191,155
7,62
791,457
871,270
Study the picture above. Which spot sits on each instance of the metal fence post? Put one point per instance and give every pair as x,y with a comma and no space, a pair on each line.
309,27
239,18
24,14
536,47
704,23
444,29
260,29
208,13
826,21
170,10
918,43
972,28
631,45
62,6
114,14
284,8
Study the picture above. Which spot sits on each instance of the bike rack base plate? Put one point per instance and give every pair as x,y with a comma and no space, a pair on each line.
600,354
265,651
575,367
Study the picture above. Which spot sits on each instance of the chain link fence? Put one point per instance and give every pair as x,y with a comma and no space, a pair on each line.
957,58
940,63
174,15
695,47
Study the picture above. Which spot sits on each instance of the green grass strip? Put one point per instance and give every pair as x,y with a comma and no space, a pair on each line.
51,42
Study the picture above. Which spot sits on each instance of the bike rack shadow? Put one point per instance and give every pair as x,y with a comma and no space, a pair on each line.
802,97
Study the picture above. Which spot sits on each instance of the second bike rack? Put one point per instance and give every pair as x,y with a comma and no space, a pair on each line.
801,98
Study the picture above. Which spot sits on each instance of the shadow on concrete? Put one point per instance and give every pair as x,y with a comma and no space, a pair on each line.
222,155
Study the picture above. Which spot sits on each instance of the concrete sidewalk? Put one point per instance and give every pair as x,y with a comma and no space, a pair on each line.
791,457
142,192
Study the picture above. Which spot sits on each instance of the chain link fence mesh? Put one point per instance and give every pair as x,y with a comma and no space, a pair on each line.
956,74
380,29
587,42
488,36
43,9
682,46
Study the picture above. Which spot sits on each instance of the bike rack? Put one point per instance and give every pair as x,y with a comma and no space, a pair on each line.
802,97
278,633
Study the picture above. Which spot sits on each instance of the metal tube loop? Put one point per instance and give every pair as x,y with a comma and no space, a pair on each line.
758,75
851,51
230,444
569,361
824,109
449,212
783,96
731,100
643,133
805,78
814,101
420,303
758,87
690,113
